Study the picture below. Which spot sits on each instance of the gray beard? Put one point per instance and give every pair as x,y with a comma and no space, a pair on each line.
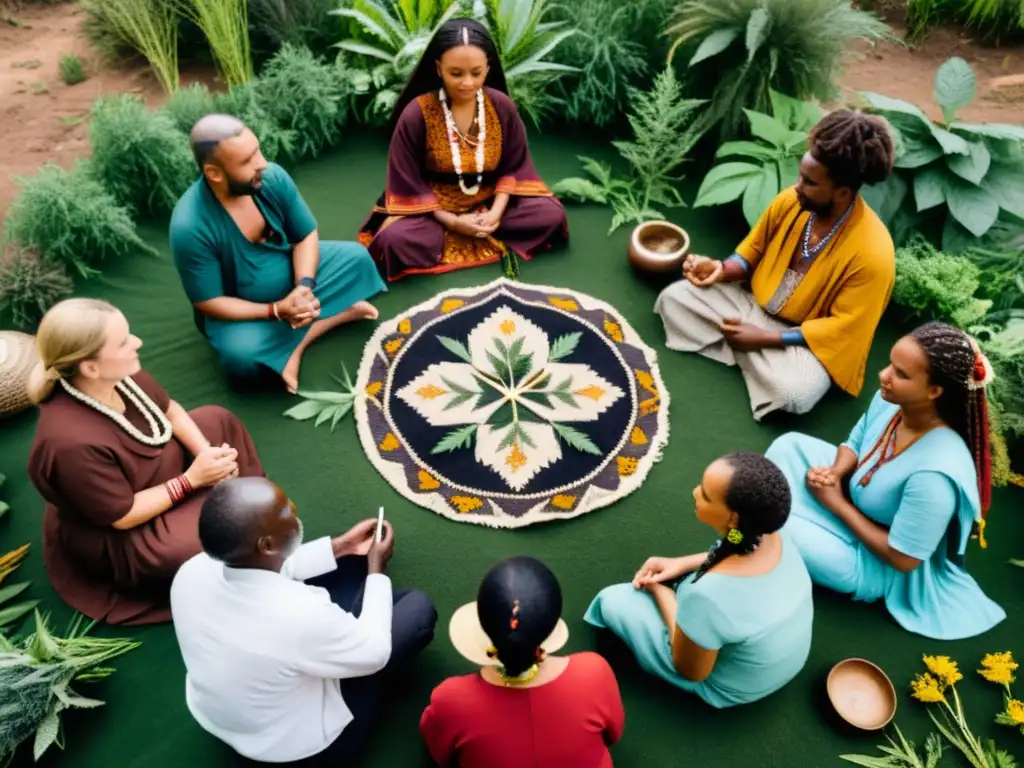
295,543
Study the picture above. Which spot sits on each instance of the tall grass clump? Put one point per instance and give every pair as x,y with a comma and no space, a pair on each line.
735,51
307,95
189,104
69,218
225,23
149,27
994,19
72,70
29,286
273,23
139,155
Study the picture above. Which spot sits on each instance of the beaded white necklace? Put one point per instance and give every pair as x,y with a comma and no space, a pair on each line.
453,142
159,426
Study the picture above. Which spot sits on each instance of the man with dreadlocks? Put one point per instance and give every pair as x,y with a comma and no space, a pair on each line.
728,640
919,474
820,266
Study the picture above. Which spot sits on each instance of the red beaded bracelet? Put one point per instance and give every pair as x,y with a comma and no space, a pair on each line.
178,488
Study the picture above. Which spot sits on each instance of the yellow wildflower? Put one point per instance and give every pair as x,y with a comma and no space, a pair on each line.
944,669
1015,711
999,675
927,689
993,660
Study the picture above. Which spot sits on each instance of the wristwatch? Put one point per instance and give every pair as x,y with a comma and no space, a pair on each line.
308,282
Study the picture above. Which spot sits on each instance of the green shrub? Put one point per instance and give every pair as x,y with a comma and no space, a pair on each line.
273,23
664,132
148,27
938,286
245,103
994,19
69,218
964,178
769,164
306,95
29,286
1002,338
72,70
139,155
737,50
606,52
188,104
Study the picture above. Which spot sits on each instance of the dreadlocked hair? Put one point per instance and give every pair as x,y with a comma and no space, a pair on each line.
759,494
952,361
856,148
451,34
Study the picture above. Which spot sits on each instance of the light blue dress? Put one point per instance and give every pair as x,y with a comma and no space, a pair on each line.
214,259
927,496
760,626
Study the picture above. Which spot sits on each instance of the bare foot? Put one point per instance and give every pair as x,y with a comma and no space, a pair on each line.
361,310
290,375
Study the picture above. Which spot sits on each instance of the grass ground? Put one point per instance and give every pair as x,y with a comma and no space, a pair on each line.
145,722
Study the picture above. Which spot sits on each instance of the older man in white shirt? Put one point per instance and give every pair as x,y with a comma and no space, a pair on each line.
285,643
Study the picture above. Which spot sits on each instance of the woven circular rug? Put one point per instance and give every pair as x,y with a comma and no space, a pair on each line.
510,404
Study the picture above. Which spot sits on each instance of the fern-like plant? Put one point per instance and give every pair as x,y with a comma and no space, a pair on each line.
664,132
68,217
29,286
139,154
735,51
246,103
188,104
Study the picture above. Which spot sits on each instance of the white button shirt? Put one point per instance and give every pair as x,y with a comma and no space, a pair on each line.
264,652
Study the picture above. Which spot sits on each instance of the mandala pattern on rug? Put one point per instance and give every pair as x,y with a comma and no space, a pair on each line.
510,404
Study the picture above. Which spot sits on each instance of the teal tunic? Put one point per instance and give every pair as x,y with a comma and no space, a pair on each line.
760,626
214,259
928,499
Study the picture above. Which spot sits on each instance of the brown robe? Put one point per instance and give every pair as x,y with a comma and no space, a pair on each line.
88,469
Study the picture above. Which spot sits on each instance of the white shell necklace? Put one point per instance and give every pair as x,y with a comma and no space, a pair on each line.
453,142
159,426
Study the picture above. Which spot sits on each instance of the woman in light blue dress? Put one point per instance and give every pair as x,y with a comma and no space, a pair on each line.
738,626
919,473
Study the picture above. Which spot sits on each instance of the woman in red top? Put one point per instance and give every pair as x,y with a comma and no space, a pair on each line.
524,707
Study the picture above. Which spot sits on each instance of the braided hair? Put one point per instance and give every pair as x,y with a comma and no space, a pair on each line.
955,364
451,34
760,495
856,148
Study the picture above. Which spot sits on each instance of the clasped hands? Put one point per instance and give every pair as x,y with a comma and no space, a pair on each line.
476,224
212,465
299,308
826,486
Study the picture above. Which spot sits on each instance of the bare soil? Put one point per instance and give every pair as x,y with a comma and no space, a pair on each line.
44,120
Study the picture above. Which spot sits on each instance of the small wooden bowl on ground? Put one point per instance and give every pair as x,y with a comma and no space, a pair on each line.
658,247
18,356
862,694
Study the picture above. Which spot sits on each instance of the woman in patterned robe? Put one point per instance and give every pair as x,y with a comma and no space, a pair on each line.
461,186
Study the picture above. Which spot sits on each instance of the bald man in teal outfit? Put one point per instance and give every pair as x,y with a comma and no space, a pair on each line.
246,247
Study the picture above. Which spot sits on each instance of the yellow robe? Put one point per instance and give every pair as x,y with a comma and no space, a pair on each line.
840,300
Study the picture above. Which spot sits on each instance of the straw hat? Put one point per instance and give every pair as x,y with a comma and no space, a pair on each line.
518,602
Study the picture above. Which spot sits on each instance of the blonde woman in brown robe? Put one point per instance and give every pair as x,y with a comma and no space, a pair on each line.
123,467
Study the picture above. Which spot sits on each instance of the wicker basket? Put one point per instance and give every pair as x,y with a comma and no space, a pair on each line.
18,356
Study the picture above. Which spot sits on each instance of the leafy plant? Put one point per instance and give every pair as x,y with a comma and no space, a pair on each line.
993,18
69,218
664,132
226,26
298,22
246,103
964,177
938,286
9,614
305,95
36,675
29,287
903,754
149,27
391,36
737,50
769,163
524,40
138,154
606,54
188,104
1001,335
72,70
326,406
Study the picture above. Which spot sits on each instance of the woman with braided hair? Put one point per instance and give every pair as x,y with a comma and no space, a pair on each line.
737,627
919,475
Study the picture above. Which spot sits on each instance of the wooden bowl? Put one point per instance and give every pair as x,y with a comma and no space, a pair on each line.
18,356
658,246
862,694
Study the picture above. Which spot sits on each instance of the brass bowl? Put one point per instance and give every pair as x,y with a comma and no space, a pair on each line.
658,246
862,694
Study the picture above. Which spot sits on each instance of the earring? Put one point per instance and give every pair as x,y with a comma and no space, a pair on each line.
540,655
492,652
734,536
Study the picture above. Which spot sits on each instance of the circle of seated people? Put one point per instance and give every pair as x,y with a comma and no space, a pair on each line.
154,512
